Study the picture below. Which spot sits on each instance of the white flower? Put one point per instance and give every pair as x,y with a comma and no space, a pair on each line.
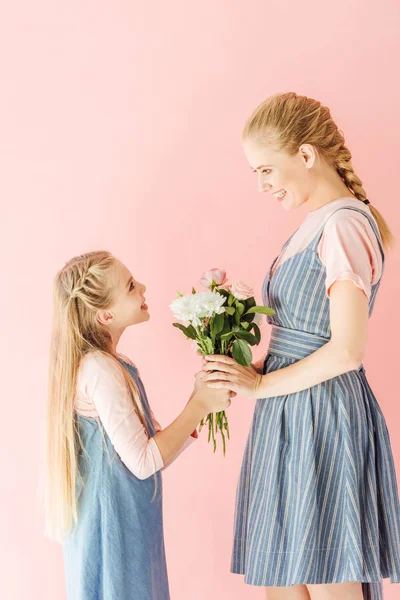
193,308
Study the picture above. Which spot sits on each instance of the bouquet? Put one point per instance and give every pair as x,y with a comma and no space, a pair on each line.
221,320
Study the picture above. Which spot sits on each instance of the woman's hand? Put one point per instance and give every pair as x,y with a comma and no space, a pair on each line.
229,375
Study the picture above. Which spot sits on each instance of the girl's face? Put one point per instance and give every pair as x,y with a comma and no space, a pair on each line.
128,307
287,178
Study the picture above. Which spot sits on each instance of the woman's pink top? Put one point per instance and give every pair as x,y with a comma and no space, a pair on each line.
348,247
102,392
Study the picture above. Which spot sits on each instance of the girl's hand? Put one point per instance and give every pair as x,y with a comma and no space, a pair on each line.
229,375
208,400
201,383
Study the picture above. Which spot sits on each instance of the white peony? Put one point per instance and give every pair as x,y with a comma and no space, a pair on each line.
193,308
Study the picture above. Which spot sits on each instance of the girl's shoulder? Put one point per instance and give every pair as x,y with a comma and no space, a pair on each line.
96,366
127,360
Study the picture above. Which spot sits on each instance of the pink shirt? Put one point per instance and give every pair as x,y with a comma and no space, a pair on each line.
348,247
101,392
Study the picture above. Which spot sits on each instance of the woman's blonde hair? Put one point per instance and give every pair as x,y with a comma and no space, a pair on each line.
289,120
84,286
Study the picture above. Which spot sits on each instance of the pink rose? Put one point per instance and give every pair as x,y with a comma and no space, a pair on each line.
215,275
241,291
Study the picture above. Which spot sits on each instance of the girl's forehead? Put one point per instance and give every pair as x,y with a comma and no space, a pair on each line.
122,272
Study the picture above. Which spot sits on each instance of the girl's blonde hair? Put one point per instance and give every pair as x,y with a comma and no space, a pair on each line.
84,286
289,120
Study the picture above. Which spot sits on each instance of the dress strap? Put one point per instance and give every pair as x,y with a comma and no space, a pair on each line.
372,222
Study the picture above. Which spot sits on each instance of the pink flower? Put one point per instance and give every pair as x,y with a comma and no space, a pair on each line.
215,275
241,291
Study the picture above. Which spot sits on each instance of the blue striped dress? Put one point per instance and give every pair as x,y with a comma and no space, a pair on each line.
317,499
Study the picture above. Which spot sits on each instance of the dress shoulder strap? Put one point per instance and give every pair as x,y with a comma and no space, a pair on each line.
372,222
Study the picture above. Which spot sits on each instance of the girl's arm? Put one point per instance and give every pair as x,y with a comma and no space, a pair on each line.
192,438
103,386
344,352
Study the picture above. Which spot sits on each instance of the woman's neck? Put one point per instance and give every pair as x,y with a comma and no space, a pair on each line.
329,187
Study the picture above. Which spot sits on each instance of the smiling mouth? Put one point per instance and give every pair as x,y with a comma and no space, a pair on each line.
280,195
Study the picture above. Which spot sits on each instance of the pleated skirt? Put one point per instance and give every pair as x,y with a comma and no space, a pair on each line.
317,499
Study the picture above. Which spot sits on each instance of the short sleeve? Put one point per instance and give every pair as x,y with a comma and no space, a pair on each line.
102,383
349,250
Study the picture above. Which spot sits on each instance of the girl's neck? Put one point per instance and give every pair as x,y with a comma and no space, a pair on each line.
115,337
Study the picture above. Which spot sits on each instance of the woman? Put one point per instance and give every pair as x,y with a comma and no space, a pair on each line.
317,513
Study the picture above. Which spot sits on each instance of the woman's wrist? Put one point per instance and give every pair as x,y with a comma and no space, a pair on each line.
263,388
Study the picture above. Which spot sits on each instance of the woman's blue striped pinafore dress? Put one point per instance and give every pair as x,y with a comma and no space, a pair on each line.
317,498
116,551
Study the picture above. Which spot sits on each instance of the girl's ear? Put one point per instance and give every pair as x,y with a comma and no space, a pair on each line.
105,317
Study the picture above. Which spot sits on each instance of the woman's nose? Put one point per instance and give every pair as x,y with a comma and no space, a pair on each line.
262,186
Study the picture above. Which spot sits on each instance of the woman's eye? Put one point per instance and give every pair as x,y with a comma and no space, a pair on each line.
266,171
131,287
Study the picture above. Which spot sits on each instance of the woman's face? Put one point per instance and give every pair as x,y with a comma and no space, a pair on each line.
287,178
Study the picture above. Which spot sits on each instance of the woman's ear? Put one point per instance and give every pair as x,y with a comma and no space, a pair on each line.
308,155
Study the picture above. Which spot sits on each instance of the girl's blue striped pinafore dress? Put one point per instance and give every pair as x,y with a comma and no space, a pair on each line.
317,498
116,551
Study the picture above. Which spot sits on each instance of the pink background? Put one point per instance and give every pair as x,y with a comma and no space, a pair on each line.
120,130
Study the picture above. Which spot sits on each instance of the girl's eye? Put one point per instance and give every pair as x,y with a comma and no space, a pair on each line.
266,171
131,287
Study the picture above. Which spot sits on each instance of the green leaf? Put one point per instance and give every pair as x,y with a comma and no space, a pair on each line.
263,310
208,345
223,292
227,327
217,324
231,300
240,307
226,336
248,337
257,332
244,324
250,302
241,353
248,318
229,310
190,331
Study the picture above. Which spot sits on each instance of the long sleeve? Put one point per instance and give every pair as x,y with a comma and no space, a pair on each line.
185,445
102,390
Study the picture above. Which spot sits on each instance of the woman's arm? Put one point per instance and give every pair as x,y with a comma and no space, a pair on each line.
259,364
344,352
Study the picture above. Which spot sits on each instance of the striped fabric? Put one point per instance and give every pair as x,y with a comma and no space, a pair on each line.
317,499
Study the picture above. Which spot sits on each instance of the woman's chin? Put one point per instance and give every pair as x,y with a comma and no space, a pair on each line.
288,202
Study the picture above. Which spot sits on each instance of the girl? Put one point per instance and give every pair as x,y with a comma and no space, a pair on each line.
106,449
317,513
